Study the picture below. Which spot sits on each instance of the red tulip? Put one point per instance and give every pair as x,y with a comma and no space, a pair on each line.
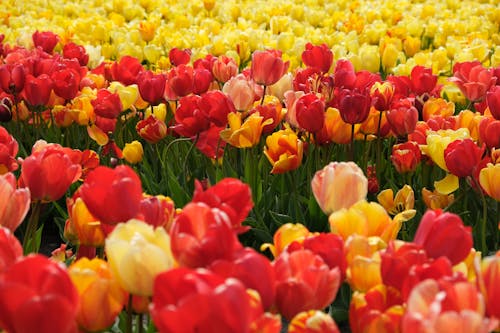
473,79
253,269
126,70
354,106
344,75
112,195
46,40
406,156
201,234
488,283
267,67
462,156
180,80
151,87
320,57
75,51
493,100
151,129
37,89
229,195
189,117
216,106
14,203
8,151
224,68
304,77
304,282
12,78
269,111
157,211
66,83
310,112
402,117
382,94
422,80
37,295
107,104
10,249
179,57
209,142
444,234
488,132
202,78
48,172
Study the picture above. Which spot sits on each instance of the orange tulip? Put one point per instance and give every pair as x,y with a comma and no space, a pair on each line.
489,285
284,151
435,200
14,203
437,107
83,224
337,130
312,321
246,134
489,178
285,235
101,297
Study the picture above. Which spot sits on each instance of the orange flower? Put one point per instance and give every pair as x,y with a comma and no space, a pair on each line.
285,235
337,130
489,178
284,151
246,134
312,321
83,224
101,297
435,200
489,286
437,107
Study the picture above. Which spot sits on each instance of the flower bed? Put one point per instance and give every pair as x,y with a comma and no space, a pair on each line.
250,166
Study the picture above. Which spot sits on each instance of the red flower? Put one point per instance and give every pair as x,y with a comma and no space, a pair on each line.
216,105
253,269
179,57
354,106
406,156
269,111
112,195
209,142
8,151
444,234
488,132
493,100
422,80
402,117
462,156
37,89
157,211
382,94
304,282
268,67
344,75
180,80
224,68
12,78
151,129
189,117
126,70
107,104
75,51
48,172
46,40
151,87
202,78
473,79
320,57
201,234
229,195
310,112
66,83
10,249
14,203
37,295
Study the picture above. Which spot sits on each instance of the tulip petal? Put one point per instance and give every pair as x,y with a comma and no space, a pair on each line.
447,185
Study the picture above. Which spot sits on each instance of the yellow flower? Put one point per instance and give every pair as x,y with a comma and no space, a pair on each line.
489,178
244,135
284,150
402,203
133,152
439,140
436,200
365,219
128,94
147,30
286,234
137,253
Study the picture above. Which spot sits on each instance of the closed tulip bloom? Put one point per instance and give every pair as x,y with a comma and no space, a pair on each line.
489,178
107,104
438,141
366,219
493,100
489,286
37,295
37,89
462,156
137,253
437,107
246,134
444,234
422,80
10,249
101,297
354,106
12,78
224,68
75,51
304,282
268,67
14,203
66,83
473,79
216,106
406,156
189,117
402,117
46,40
382,93
158,211
151,129
310,112
284,151
312,321
363,261
126,70
151,86
112,195
327,185
488,132
133,152
179,57
82,224
242,91
335,129
318,56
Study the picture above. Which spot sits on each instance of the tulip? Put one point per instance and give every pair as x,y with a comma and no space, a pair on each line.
216,106
437,107
310,112
364,218
406,156
473,79
230,195
151,86
179,57
75,51
244,135
129,95
444,234
10,249
402,117
224,68
96,285
312,321
107,104
363,261
489,180
488,132
112,195
339,175
133,152
66,83
462,156
14,203
189,117
285,235
151,129
381,94
344,74
335,129
12,78
267,67
242,91
46,40
147,30
270,110
37,295
320,57
402,203
83,225
37,89
493,100
436,200
157,211
201,234
137,253
284,151
209,142
422,80
488,284
438,141
304,282
126,70
354,106
8,151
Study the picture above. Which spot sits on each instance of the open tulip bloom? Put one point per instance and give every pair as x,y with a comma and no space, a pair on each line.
249,166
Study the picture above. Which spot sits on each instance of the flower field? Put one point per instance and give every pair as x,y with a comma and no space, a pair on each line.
249,166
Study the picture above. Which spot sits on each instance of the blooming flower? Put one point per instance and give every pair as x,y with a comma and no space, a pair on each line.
489,180
268,67
284,151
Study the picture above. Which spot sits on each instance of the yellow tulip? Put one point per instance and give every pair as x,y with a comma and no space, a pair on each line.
284,150
137,253
489,178
128,94
286,234
246,134
133,152
438,141
402,203
436,200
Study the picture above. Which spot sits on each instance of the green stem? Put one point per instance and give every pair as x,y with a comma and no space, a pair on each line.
263,95
29,245
140,318
379,149
351,146
484,248
128,328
